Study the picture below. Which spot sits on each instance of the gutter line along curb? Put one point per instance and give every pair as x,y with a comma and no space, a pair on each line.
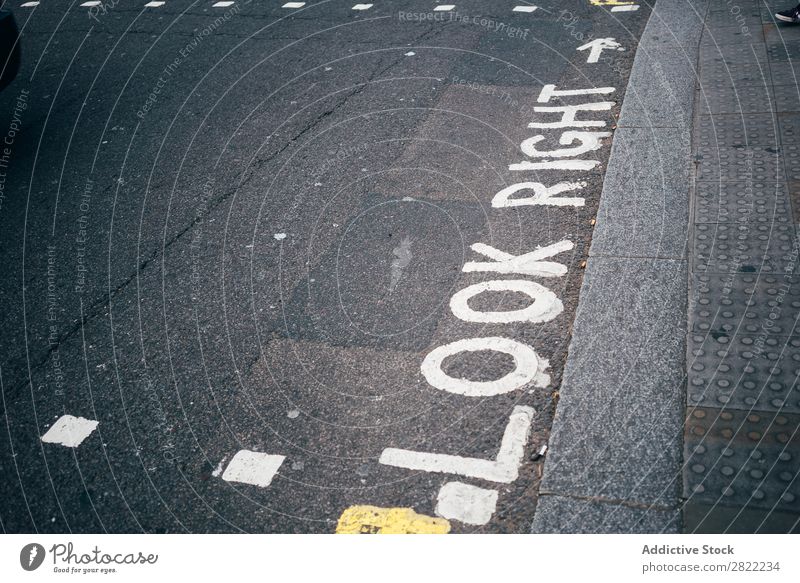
614,463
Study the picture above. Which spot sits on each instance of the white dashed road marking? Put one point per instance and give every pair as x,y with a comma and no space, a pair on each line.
362,6
525,8
70,431
154,4
91,3
30,4
279,236
294,5
444,7
629,8
252,467
504,469
222,4
465,503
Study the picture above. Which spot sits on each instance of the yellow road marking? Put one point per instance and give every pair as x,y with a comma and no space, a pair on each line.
611,2
375,520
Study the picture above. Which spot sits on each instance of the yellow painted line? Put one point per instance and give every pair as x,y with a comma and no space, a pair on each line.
375,520
611,2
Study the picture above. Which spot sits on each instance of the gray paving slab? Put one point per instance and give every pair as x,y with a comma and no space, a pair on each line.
617,429
745,303
660,95
560,514
644,208
744,372
707,519
758,471
674,22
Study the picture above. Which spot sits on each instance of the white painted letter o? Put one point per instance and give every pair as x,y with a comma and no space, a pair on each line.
545,305
526,366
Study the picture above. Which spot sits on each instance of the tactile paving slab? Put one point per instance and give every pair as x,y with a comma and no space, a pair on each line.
740,74
787,98
744,372
746,248
761,163
730,129
791,160
745,304
727,35
741,202
742,459
727,98
783,50
733,54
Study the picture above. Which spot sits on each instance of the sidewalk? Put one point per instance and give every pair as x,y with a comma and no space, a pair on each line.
742,430
681,411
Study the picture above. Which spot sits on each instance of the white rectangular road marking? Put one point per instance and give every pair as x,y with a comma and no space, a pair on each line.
91,3
444,7
252,467
524,8
154,4
29,4
505,469
629,8
465,503
69,431
294,5
222,4
362,6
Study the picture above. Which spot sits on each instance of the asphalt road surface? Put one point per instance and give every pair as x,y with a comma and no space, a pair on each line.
259,261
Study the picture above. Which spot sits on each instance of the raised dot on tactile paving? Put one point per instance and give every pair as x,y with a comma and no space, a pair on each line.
754,435
756,474
726,471
728,491
758,494
787,497
698,468
293,414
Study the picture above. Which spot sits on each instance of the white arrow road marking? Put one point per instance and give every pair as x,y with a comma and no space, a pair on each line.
597,46
504,469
